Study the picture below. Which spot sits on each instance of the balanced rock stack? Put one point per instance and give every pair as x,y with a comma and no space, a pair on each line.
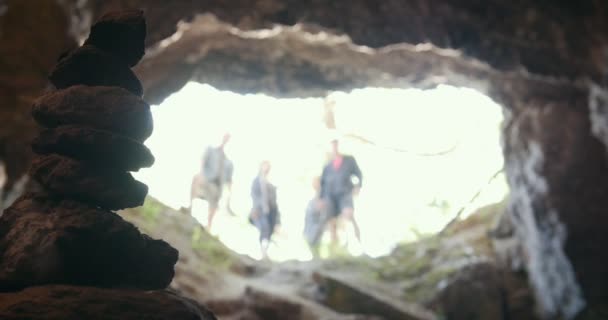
58,244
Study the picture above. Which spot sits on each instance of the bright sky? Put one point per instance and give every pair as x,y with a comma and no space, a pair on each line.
398,186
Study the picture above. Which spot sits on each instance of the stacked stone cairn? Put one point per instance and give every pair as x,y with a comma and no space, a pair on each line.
68,234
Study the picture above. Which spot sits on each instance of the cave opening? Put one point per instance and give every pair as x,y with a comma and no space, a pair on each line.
427,156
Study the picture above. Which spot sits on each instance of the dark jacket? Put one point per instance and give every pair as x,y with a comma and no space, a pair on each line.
264,203
339,182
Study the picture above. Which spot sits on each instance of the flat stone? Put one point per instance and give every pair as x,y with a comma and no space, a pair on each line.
46,240
95,147
91,66
106,108
347,296
121,33
98,186
76,303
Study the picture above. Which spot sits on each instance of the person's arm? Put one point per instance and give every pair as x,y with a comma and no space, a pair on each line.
276,205
323,183
204,160
356,171
228,185
256,197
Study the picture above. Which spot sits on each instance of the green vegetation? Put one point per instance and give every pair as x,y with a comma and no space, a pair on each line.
181,231
420,267
214,253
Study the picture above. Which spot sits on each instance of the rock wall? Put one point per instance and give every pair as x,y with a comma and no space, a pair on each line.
557,171
545,61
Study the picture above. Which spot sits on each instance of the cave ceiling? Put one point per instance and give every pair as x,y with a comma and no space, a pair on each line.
303,48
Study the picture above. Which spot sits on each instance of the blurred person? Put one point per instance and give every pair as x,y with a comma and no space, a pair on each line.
315,219
215,174
265,212
337,189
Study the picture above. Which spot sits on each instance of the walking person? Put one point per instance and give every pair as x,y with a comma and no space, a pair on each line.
315,220
337,190
215,174
265,212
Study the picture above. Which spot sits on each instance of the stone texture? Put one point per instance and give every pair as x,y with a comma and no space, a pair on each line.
45,240
91,66
121,33
97,148
26,54
75,303
482,291
347,296
557,171
106,108
104,187
506,49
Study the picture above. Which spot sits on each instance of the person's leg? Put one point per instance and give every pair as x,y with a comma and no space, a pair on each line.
211,210
195,190
333,207
214,193
333,231
348,212
263,225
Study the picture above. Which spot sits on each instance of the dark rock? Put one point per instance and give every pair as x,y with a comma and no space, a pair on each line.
106,108
95,147
256,304
53,241
75,303
91,66
558,176
482,291
475,293
346,296
97,186
269,306
120,33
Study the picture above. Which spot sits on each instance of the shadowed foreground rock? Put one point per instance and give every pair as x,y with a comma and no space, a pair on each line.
105,108
349,297
65,241
65,234
98,147
105,187
76,303
91,66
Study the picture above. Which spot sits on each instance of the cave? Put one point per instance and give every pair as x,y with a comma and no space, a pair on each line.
544,62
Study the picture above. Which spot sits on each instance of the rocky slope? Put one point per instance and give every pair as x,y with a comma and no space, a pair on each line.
457,275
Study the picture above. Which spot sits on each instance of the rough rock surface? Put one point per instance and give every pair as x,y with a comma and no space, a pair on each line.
523,54
480,283
76,303
45,240
121,33
91,66
106,108
350,297
104,187
558,194
96,147
64,234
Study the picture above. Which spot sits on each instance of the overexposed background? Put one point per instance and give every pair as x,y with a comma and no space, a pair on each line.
405,191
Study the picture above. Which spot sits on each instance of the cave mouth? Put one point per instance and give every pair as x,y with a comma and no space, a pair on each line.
426,157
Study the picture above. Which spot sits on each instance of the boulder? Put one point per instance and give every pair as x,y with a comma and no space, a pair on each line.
484,291
91,66
56,241
121,33
75,303
106,108
348,296
99,186
95,147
